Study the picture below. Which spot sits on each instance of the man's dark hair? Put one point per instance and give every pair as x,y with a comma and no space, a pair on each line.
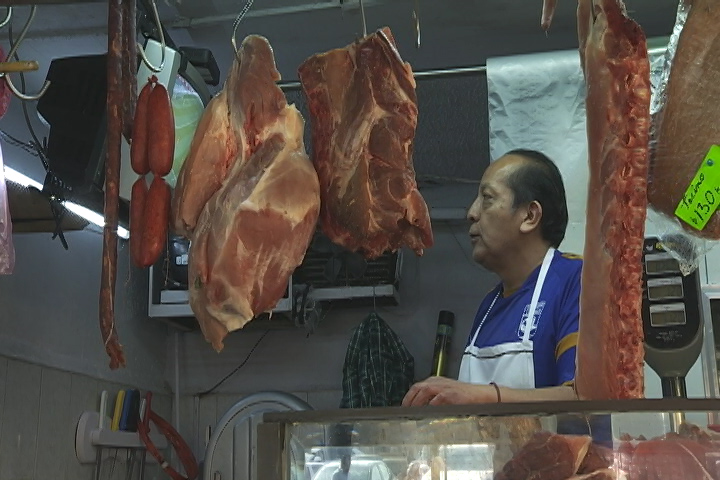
539,180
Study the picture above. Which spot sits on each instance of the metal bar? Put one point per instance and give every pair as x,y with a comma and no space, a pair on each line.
266,12
423,74
19,3
600,407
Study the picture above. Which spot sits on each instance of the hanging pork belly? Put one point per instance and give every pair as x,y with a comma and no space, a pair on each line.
363,110
614,59
249,197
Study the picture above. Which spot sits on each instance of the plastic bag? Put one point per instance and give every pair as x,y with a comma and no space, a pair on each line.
679,241
7,249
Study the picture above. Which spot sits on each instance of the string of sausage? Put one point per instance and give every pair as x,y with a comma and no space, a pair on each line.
112,179
129,66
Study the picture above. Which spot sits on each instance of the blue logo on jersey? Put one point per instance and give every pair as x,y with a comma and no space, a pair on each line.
536,318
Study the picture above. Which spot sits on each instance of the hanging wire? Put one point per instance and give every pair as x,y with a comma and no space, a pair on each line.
362,16
416,17
13,51
238,19
141,50
8,17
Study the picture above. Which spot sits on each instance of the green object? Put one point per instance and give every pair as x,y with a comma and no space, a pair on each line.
378,369
702,197
188,109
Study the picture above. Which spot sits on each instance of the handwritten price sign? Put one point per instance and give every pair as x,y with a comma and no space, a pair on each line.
702,197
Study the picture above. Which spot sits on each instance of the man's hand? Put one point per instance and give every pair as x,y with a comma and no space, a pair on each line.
446,391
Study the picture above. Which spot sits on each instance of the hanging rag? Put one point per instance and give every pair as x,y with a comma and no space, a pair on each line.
378,369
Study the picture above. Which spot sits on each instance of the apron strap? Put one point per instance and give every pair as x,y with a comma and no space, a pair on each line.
536,293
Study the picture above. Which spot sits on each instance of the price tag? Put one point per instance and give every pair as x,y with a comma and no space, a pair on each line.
702,197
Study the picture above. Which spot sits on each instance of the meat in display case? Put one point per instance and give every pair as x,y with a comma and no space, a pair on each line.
622,439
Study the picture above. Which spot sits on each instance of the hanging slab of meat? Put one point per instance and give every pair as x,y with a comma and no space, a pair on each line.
617,74
547,456
363,110
254,231
234,123
689,125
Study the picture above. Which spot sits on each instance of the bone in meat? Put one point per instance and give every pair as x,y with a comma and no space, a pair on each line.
689,126
254,230
363,110
234,123
616,69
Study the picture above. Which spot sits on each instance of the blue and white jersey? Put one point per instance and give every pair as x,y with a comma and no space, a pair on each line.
554,327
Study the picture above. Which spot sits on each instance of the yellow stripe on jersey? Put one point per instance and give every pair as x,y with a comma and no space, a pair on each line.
572,256
566,344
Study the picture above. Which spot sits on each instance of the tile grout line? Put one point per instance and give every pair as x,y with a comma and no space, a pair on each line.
37,427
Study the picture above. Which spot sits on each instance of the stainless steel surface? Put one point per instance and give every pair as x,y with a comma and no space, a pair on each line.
232,449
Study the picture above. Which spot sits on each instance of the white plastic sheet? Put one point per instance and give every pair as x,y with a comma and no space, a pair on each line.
537,101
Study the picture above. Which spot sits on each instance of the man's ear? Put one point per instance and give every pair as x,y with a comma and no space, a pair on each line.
533,216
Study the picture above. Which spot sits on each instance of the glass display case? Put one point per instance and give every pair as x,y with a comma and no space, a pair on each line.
631,439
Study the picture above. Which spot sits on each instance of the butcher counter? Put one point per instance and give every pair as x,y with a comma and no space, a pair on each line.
647,439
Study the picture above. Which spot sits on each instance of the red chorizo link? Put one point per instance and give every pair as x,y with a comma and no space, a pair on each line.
138,198
139,145
155,221
161,132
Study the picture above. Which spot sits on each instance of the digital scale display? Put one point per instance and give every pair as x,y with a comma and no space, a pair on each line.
665,288
660,263
667,315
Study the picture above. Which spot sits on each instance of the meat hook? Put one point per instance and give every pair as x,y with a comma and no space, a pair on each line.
237,21
8,16
13,51
362,16
141,50
416,17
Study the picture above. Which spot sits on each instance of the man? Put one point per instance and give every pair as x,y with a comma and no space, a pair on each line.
522,344
342,472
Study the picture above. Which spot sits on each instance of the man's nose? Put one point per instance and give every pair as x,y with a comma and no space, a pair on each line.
472,215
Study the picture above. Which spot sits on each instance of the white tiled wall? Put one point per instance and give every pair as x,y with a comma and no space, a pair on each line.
39,410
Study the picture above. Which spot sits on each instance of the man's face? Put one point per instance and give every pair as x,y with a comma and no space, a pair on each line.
495,224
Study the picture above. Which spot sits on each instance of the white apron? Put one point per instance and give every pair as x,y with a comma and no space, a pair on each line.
507,364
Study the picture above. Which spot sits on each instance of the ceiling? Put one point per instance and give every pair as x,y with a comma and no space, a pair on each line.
453,33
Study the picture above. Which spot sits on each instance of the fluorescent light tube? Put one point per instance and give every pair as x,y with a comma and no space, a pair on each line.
25,181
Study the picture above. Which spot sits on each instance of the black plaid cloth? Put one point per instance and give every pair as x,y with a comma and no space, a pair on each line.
378,369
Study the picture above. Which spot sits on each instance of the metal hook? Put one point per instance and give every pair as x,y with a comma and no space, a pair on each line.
237,21
362,16
7,17
416,17
24,96
13,52
141,50
390,44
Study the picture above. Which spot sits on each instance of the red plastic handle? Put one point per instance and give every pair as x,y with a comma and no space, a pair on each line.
183,450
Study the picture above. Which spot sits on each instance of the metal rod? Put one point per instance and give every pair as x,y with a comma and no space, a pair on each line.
427,73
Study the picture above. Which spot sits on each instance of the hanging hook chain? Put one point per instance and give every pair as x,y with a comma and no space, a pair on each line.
362,16
8,17
13,52
416,17
237,21
141,50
